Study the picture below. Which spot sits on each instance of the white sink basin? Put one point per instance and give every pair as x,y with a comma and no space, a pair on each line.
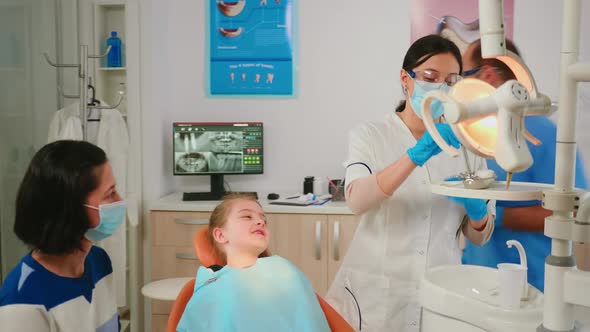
466,298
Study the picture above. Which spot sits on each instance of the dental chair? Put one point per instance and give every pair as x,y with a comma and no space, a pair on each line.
207,256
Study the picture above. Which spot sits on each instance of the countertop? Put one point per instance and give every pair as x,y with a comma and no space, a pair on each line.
174,202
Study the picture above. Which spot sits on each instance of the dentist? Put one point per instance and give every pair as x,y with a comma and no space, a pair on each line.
66,202
404,228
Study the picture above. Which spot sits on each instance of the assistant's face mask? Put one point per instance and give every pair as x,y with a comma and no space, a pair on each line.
111,215
420,89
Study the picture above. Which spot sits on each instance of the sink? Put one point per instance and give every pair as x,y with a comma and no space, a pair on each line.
466,298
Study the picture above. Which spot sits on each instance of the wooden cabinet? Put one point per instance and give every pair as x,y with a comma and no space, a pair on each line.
341,230
315,243
301,239
582,251
172,253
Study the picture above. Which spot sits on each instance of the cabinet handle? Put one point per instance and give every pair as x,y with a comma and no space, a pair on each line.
318,240
336,248
182,255
192,221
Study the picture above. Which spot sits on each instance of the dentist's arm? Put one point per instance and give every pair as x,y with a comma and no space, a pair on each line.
367,192
480,225
391,177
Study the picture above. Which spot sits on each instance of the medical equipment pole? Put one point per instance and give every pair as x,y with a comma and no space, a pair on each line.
491,28
557,314
82,80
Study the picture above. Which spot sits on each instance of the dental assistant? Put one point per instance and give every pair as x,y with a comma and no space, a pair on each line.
404,228
66,202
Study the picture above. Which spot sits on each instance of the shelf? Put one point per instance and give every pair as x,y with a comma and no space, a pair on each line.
518,191
109,15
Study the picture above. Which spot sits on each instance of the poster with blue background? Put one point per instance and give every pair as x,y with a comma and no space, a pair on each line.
251,48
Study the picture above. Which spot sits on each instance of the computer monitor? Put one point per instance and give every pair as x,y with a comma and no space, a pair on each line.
216,149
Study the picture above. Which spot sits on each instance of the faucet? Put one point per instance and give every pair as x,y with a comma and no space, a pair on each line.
525,287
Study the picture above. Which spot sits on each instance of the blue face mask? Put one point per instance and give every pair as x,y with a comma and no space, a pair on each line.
112,216
420,89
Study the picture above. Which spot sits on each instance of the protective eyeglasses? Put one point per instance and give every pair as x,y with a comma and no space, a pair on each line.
471,71
433,76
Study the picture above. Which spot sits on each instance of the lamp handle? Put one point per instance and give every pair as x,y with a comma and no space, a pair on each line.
527,134
429,121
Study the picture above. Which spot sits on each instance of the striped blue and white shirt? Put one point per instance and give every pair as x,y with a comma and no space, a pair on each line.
35,299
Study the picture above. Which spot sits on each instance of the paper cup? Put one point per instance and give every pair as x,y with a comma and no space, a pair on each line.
511,279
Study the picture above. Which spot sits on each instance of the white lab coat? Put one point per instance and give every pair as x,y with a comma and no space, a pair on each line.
66,124
399,239
112,136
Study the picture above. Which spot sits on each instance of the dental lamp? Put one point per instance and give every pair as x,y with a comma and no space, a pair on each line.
490,123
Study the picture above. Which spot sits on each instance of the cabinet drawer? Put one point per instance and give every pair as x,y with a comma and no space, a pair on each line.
177,228
173,262
161,307
159,323
341,229
301,239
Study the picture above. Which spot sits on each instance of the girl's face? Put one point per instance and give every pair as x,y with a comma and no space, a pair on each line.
245,229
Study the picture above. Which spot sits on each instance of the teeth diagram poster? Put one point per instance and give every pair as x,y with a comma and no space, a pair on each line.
251,47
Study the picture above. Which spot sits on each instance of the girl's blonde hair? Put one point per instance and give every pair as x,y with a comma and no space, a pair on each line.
219,217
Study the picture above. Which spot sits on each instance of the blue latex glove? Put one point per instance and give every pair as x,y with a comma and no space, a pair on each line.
426,147
476,208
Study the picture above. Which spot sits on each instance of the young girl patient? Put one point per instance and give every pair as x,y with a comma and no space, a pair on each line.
253,291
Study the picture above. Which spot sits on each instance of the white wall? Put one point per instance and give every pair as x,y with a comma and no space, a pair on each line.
350,53
349,58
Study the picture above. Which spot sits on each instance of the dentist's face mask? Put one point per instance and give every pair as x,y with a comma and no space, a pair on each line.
111,215
422,87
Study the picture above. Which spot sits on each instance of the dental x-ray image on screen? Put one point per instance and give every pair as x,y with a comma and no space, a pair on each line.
202,148
213,151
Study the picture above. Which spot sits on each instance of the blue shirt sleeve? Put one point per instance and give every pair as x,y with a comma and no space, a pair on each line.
543,170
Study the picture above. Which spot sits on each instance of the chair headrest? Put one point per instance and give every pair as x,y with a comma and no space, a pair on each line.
204,249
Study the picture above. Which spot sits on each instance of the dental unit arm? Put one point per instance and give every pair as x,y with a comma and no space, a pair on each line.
504,108
470,108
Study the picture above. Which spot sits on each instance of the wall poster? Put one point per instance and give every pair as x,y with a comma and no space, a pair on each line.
251,47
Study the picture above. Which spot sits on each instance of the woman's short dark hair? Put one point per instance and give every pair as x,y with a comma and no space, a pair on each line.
502,69
50,212
424,49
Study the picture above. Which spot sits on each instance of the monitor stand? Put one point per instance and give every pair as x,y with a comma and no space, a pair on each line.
217,191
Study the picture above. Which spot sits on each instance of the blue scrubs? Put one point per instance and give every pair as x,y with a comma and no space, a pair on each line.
271,295
537,246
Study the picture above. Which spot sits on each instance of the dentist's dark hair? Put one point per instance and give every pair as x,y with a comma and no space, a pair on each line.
425,48
50,213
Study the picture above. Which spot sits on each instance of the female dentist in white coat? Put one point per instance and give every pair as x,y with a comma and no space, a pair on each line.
404,228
